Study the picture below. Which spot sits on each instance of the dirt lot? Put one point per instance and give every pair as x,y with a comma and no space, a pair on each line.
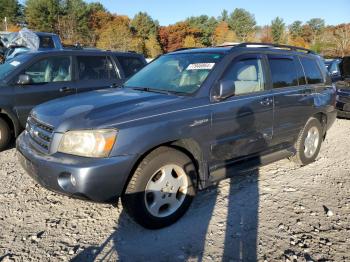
279,213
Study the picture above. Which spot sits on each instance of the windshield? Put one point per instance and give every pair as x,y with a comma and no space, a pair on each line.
178,73
9,66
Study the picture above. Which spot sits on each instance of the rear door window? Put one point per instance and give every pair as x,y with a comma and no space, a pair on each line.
130,65
283,71
96,68
312,71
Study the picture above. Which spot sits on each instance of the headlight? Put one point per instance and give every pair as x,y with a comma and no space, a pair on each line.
88,143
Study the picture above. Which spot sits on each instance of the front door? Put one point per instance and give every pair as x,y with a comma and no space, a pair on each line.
242,125
50,78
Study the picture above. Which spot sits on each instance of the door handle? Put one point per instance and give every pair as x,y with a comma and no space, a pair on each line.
266,101
114,85
66,90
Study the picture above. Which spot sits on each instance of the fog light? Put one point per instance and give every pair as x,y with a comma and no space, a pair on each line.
73,180
67,182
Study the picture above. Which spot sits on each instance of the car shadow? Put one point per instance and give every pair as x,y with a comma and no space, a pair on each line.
223,227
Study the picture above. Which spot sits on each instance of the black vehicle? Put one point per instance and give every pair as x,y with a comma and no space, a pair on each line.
333,67
185,121
343,89
36,77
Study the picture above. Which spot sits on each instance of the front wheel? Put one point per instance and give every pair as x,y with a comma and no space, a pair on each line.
309,142
161,189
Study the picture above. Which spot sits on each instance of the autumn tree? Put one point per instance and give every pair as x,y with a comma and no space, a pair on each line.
264,34
42,15
143,25
337,40
277,30
242,23
172,37
98,18
144,29
317,25
205,25
224,17
116,35
296,29
153,47
11,10
223,34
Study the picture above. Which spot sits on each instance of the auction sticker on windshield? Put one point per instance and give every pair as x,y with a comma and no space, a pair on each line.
201,66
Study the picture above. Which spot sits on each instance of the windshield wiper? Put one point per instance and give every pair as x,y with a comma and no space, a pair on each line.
159,91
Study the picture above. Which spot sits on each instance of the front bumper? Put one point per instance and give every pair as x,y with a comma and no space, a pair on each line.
99,180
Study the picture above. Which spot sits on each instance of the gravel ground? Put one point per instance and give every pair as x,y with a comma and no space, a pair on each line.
279,213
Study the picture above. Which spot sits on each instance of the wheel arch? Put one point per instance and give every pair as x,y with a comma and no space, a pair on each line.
11,120
187,146
322,117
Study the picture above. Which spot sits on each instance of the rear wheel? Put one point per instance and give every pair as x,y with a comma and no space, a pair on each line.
161,189
309,142
5,134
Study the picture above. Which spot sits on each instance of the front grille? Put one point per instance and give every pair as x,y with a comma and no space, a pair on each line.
40,134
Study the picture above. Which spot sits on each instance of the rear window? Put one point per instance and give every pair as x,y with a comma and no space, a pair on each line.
46,42
96,68
312,71
130,65
283,71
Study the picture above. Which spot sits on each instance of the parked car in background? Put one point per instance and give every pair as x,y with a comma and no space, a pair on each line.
343,89
184,122
2,47
36,77
25,40
333,67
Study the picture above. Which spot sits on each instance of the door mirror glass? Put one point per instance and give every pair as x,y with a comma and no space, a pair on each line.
226,89
24,79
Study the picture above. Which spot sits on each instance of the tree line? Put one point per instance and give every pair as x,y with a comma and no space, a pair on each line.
91,24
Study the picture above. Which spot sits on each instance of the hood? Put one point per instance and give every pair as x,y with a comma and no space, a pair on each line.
102,108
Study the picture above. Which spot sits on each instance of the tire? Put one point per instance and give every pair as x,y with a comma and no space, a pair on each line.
161,189
5,134
309,142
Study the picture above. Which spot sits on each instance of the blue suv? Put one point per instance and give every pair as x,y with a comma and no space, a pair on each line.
185,121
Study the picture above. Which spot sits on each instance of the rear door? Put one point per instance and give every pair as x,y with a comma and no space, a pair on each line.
96,72
293,98
51,78
242,125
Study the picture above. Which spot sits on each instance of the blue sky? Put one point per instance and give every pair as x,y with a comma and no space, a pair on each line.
169,12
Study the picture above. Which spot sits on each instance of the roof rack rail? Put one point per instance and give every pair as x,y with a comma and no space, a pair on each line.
267,45
183,48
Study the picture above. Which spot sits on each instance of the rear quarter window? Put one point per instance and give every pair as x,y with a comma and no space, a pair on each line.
312,71
130,65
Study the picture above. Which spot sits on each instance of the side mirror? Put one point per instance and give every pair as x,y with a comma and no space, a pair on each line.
24,80
335,73
226,89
